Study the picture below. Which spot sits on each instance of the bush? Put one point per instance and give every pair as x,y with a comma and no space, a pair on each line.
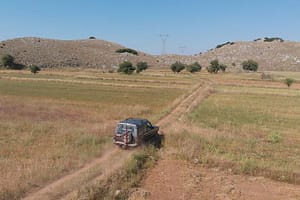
215,67
224,44
126,67
177,67
127,50
250,65
195,67
266,39
92,38
8,62
34,69
141,66
289,81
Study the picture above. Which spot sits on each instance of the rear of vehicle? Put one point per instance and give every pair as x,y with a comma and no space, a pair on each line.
126,135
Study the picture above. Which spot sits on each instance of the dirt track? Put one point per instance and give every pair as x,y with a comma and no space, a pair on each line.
111,160
173,179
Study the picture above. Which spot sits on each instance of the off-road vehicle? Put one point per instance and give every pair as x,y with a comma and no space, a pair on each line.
133,132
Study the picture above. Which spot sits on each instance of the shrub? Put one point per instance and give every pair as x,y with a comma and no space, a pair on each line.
127,50
92,38
215,67
250,65
141,66
266,39
126,67
34,69
224,44
195,67
274,138
289,81
7,61
177,67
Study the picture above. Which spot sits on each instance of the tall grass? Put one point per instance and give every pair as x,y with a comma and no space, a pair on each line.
254,134
48,129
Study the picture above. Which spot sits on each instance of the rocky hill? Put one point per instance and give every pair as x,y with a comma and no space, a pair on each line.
276,55
91,53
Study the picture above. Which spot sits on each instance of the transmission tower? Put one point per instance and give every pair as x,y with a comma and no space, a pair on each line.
163,38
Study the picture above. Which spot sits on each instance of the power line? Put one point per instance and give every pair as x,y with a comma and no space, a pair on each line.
164,38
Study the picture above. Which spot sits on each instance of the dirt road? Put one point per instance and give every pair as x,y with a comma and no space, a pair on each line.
173,179
112,159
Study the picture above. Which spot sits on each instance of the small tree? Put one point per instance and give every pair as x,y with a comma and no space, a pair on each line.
213,67
250,65
141,66
34,69
177,67
195,67
126,67
127,50
223,67
8,61
289,81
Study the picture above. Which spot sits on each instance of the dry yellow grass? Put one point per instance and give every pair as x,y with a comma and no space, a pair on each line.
48,129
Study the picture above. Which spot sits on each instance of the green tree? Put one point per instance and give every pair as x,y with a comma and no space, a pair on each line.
127,50
215,67
7,61
34,69
126,67
250,65
195,67
289,81
223,67
177,67
141,66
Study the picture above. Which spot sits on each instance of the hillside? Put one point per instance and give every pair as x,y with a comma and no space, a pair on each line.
68,53
274,56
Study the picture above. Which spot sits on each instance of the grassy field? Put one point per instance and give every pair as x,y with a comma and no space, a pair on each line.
53,122
250,129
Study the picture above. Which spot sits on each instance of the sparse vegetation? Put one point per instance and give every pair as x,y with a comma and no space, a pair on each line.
271,39
250,65
289,81
195,67
141,66
224,44
126,67
34,69
177,67
127,50
215,67
123,180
